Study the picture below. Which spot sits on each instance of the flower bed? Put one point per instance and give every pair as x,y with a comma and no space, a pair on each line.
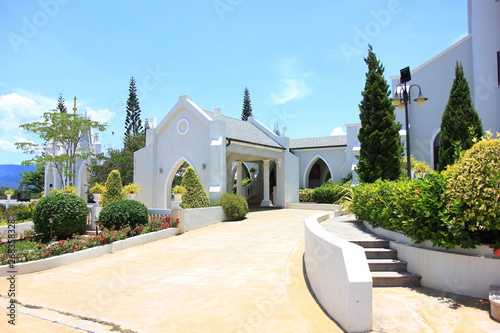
31,249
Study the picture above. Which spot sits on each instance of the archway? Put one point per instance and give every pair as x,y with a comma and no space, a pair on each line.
175,174
317,172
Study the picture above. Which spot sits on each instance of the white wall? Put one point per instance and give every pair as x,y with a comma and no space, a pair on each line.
335,159
339,276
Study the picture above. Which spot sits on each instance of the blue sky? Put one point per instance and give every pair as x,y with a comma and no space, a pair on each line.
301,61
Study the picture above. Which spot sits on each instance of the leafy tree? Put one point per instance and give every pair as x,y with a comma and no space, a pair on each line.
62,134
379,134
35,178
61,106
195,196
179,174
113,190
460,123
247,106
133,123
117,159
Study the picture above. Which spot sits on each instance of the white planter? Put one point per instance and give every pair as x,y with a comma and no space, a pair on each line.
97,197
9,196
176,203
131,196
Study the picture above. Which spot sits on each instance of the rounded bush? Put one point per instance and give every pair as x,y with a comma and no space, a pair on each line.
67,211
124,213
235,206
473,190
327,194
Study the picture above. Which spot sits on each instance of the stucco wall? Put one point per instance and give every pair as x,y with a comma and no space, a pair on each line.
339,276
335,159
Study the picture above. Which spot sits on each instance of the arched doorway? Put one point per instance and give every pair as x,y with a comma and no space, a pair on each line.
317,173
174,177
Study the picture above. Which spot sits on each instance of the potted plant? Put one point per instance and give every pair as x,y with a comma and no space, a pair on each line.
69,190
96,191
178,191
131,190
252,173
9,192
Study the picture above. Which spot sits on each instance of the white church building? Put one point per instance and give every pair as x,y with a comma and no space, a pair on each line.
222,148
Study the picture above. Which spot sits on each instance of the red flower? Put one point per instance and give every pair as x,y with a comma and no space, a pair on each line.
73,246
416,191
497,252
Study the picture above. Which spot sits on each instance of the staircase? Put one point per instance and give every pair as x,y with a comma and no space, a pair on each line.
386,269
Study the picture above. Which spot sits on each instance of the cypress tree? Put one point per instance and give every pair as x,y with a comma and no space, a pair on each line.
113,189
379,137
247,106
460,123
133,123
195,196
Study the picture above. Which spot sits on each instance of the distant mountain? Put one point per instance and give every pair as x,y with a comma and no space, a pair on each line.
10,174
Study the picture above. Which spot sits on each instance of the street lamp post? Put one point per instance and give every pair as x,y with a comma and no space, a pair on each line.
401,99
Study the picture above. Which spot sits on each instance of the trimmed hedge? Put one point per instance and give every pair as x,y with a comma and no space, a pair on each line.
195,196
330,193
124,213
67,211
113,189
235,206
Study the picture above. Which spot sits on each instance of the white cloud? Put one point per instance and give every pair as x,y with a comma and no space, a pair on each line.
293,82
338,131
100,115
9,146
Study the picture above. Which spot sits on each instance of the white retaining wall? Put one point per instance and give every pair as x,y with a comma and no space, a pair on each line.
460,271
339,276
19,227
198,217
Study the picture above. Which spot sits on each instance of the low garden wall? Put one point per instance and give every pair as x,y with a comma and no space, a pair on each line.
467,272
313,206
198,217
19,227
339,276
68,258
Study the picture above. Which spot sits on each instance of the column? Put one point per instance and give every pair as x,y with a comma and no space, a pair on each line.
266,202
239,174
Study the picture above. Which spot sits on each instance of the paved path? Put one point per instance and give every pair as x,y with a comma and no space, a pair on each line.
231,277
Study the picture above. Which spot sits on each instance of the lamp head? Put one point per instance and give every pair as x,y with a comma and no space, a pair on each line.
420,99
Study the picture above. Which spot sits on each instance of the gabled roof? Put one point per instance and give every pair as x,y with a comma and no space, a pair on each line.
245,131
319,142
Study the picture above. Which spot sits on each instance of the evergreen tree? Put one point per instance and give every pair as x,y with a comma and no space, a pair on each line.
247,106
379,134
133,123
195,196
61,106
460,123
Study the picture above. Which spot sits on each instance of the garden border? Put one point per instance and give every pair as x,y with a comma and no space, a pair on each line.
93,252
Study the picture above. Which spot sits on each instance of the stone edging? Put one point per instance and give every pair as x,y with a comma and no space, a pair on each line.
69,258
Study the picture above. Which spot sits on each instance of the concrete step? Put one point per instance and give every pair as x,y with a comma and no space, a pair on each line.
380,253
375,243
395,279
380,265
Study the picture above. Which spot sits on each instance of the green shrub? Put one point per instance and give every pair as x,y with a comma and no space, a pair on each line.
330,193
235,206
113,189
123,213
416,208
68,213
305,195
195,196
473,191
